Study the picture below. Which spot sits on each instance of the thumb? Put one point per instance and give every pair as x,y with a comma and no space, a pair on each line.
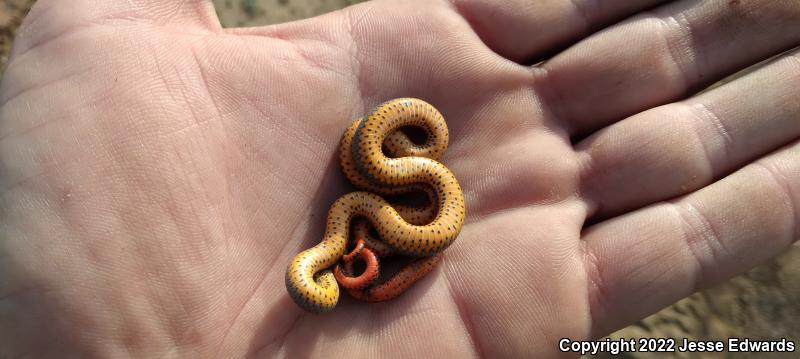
49,19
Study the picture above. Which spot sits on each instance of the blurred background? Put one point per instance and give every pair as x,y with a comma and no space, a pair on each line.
763,303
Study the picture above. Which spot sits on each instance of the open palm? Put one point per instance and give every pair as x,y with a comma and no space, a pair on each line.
158,172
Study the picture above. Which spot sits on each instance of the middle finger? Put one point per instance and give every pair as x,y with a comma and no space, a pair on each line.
677,148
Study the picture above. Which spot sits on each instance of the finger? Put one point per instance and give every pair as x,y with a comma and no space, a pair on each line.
523,31
675,149
650,258
50,19
661,56
60,45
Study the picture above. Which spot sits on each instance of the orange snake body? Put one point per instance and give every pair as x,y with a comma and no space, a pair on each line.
410,231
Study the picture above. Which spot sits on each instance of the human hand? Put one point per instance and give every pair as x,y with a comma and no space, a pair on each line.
158,173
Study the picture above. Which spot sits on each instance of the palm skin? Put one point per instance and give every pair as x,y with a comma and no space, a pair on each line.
158,173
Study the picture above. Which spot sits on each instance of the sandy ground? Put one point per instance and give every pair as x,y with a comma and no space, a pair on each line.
763,303
11,14
263,12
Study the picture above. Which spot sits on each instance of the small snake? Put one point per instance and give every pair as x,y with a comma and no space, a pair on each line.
363,288
405,230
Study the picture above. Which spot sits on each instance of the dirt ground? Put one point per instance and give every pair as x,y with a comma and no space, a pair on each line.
262,12
763,303
11,14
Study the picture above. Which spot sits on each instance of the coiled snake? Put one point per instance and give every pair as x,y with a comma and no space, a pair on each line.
405,230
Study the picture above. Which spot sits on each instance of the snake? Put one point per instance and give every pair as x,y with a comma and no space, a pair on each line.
379,159
362,287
